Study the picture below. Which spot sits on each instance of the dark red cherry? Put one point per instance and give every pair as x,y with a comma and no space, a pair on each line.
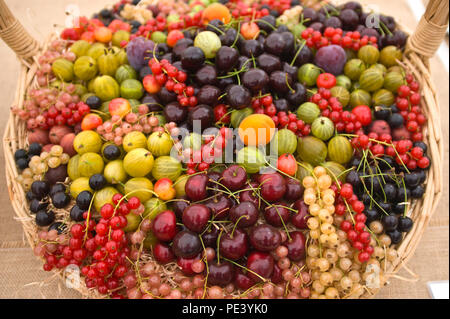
242,281
246,209
300,218
255,79
163,253
238,96
226,58
208,95
269,63
261,264
273,186
220,274
296,246
179,205
196,187
164,226
214,188
277,275
277,214
264,237
234,246
250,195
234,177
220,206
294,189
210,236
185,264
196,217
186,244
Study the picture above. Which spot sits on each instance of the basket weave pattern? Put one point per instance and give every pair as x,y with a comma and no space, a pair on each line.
421,45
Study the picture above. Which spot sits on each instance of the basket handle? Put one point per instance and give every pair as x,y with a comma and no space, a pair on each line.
431,29
15,35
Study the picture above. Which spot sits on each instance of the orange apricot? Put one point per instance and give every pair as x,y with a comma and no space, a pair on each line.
256,129
103,34
216,11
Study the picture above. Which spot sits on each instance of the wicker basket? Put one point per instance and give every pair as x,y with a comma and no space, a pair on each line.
421,46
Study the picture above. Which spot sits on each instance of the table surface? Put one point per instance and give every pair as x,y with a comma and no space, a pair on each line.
21,274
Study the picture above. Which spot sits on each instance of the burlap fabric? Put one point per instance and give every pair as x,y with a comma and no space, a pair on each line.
21,274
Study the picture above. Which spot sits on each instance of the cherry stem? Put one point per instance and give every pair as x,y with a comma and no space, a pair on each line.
282,221
215,28
236,223
218,246
249,270
207,268
298,52
226,188
237,35
288,85
406,199
88,218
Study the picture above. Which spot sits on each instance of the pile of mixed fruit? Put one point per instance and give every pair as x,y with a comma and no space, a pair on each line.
231,149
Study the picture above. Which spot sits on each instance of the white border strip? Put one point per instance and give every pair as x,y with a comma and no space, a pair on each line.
418,10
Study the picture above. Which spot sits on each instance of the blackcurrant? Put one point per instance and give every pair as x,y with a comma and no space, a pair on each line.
97,181
384,207
395,235
44,218
399,208
58,226
30,196
422,145
40,189
60,200
111,152
390,191
94,102
372,215
105,13
389,222
403,194
20,153
353,178
382,113
417,192
411,180
386,162
36,205
58,187
76,214
355,162
22,163
395,120
366,199
84,200
422,175
405,224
